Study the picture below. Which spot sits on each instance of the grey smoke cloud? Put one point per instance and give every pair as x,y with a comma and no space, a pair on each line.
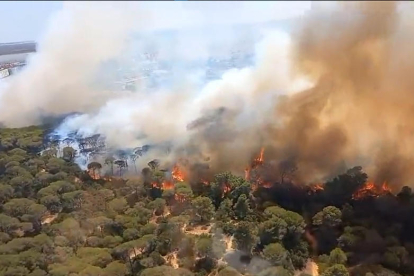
337,91
56,80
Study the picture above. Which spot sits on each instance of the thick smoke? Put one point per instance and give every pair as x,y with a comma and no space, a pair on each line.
58,78
222,122
357,111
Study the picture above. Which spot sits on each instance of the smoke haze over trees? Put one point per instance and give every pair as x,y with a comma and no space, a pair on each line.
355,112
297,163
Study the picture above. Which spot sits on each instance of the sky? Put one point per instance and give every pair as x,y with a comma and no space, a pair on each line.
24,20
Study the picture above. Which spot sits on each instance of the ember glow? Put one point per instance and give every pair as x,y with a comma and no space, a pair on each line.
370,189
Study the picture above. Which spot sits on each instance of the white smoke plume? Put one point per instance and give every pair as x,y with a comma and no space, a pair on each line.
61,78
350,52
57,79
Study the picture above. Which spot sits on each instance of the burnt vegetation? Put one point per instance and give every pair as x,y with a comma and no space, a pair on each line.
57,219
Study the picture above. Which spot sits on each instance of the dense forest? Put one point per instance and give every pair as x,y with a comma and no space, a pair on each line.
58,220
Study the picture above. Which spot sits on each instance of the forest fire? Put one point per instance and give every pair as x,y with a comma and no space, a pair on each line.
255,163
259,160
165,185
316,187
177,174
226,189
93,174
370,189
260,182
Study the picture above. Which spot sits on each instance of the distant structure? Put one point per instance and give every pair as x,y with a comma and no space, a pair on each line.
13,56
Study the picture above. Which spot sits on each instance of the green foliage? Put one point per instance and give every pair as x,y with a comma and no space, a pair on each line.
336,270
225,211
245,235
94,256
275,253
337,256
329,216
229,271
57,221
242,208
157,205
272,230
203,209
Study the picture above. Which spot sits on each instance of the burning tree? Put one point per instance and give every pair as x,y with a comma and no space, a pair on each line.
370,189
94,169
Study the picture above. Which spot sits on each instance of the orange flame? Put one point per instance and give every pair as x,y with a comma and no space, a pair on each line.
371,190
256,162
260,182
385,188
94,174
315,188
177,174
165,185
226,190
260,159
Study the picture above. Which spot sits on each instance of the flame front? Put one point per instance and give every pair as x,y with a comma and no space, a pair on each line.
255,163
165,185
177,174
371,190
259,160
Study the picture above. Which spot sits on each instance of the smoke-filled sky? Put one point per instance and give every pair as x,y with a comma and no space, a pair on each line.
27,20
334,93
